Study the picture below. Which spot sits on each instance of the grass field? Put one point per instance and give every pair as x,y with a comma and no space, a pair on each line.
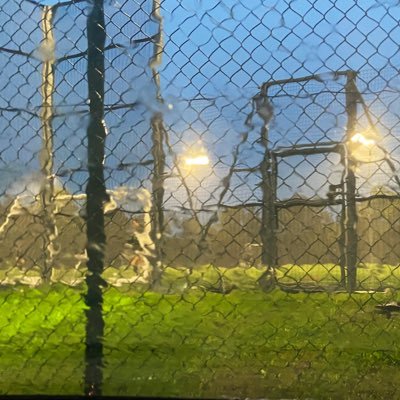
194,343
369,276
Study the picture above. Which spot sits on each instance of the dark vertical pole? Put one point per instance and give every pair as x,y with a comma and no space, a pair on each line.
96,196
273,208
157,213
350,184
157,125
268,219
342,222
46,154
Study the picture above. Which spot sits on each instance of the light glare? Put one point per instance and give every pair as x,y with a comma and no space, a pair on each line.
199,160
361,139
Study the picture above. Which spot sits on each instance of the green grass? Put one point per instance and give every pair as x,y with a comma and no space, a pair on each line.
369,276
192,343
326,276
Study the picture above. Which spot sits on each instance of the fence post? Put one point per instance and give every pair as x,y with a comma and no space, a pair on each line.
157,126
342,227
46,154
350,184
157,213
268,187
96,196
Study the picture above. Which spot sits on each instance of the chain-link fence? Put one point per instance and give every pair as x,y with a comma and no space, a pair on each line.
200,198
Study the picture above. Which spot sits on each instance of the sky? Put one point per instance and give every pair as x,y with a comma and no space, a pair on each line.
216,55
230,48
247,43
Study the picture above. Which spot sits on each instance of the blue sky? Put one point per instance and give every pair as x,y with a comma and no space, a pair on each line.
212,43
229,48
247,43
217,49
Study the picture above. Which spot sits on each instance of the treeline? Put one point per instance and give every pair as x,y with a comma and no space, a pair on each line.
23,236
305,235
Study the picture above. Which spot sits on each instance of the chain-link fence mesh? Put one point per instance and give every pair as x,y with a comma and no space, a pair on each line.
200,198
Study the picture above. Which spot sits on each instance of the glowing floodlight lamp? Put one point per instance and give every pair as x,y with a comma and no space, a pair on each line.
361,139
197,160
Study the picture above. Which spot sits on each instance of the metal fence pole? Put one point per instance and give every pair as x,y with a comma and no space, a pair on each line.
342,227
268,218
157,213
350,184
157,126
46,154
96,196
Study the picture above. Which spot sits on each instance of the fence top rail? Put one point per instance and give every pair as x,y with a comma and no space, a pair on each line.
308,148
316,77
